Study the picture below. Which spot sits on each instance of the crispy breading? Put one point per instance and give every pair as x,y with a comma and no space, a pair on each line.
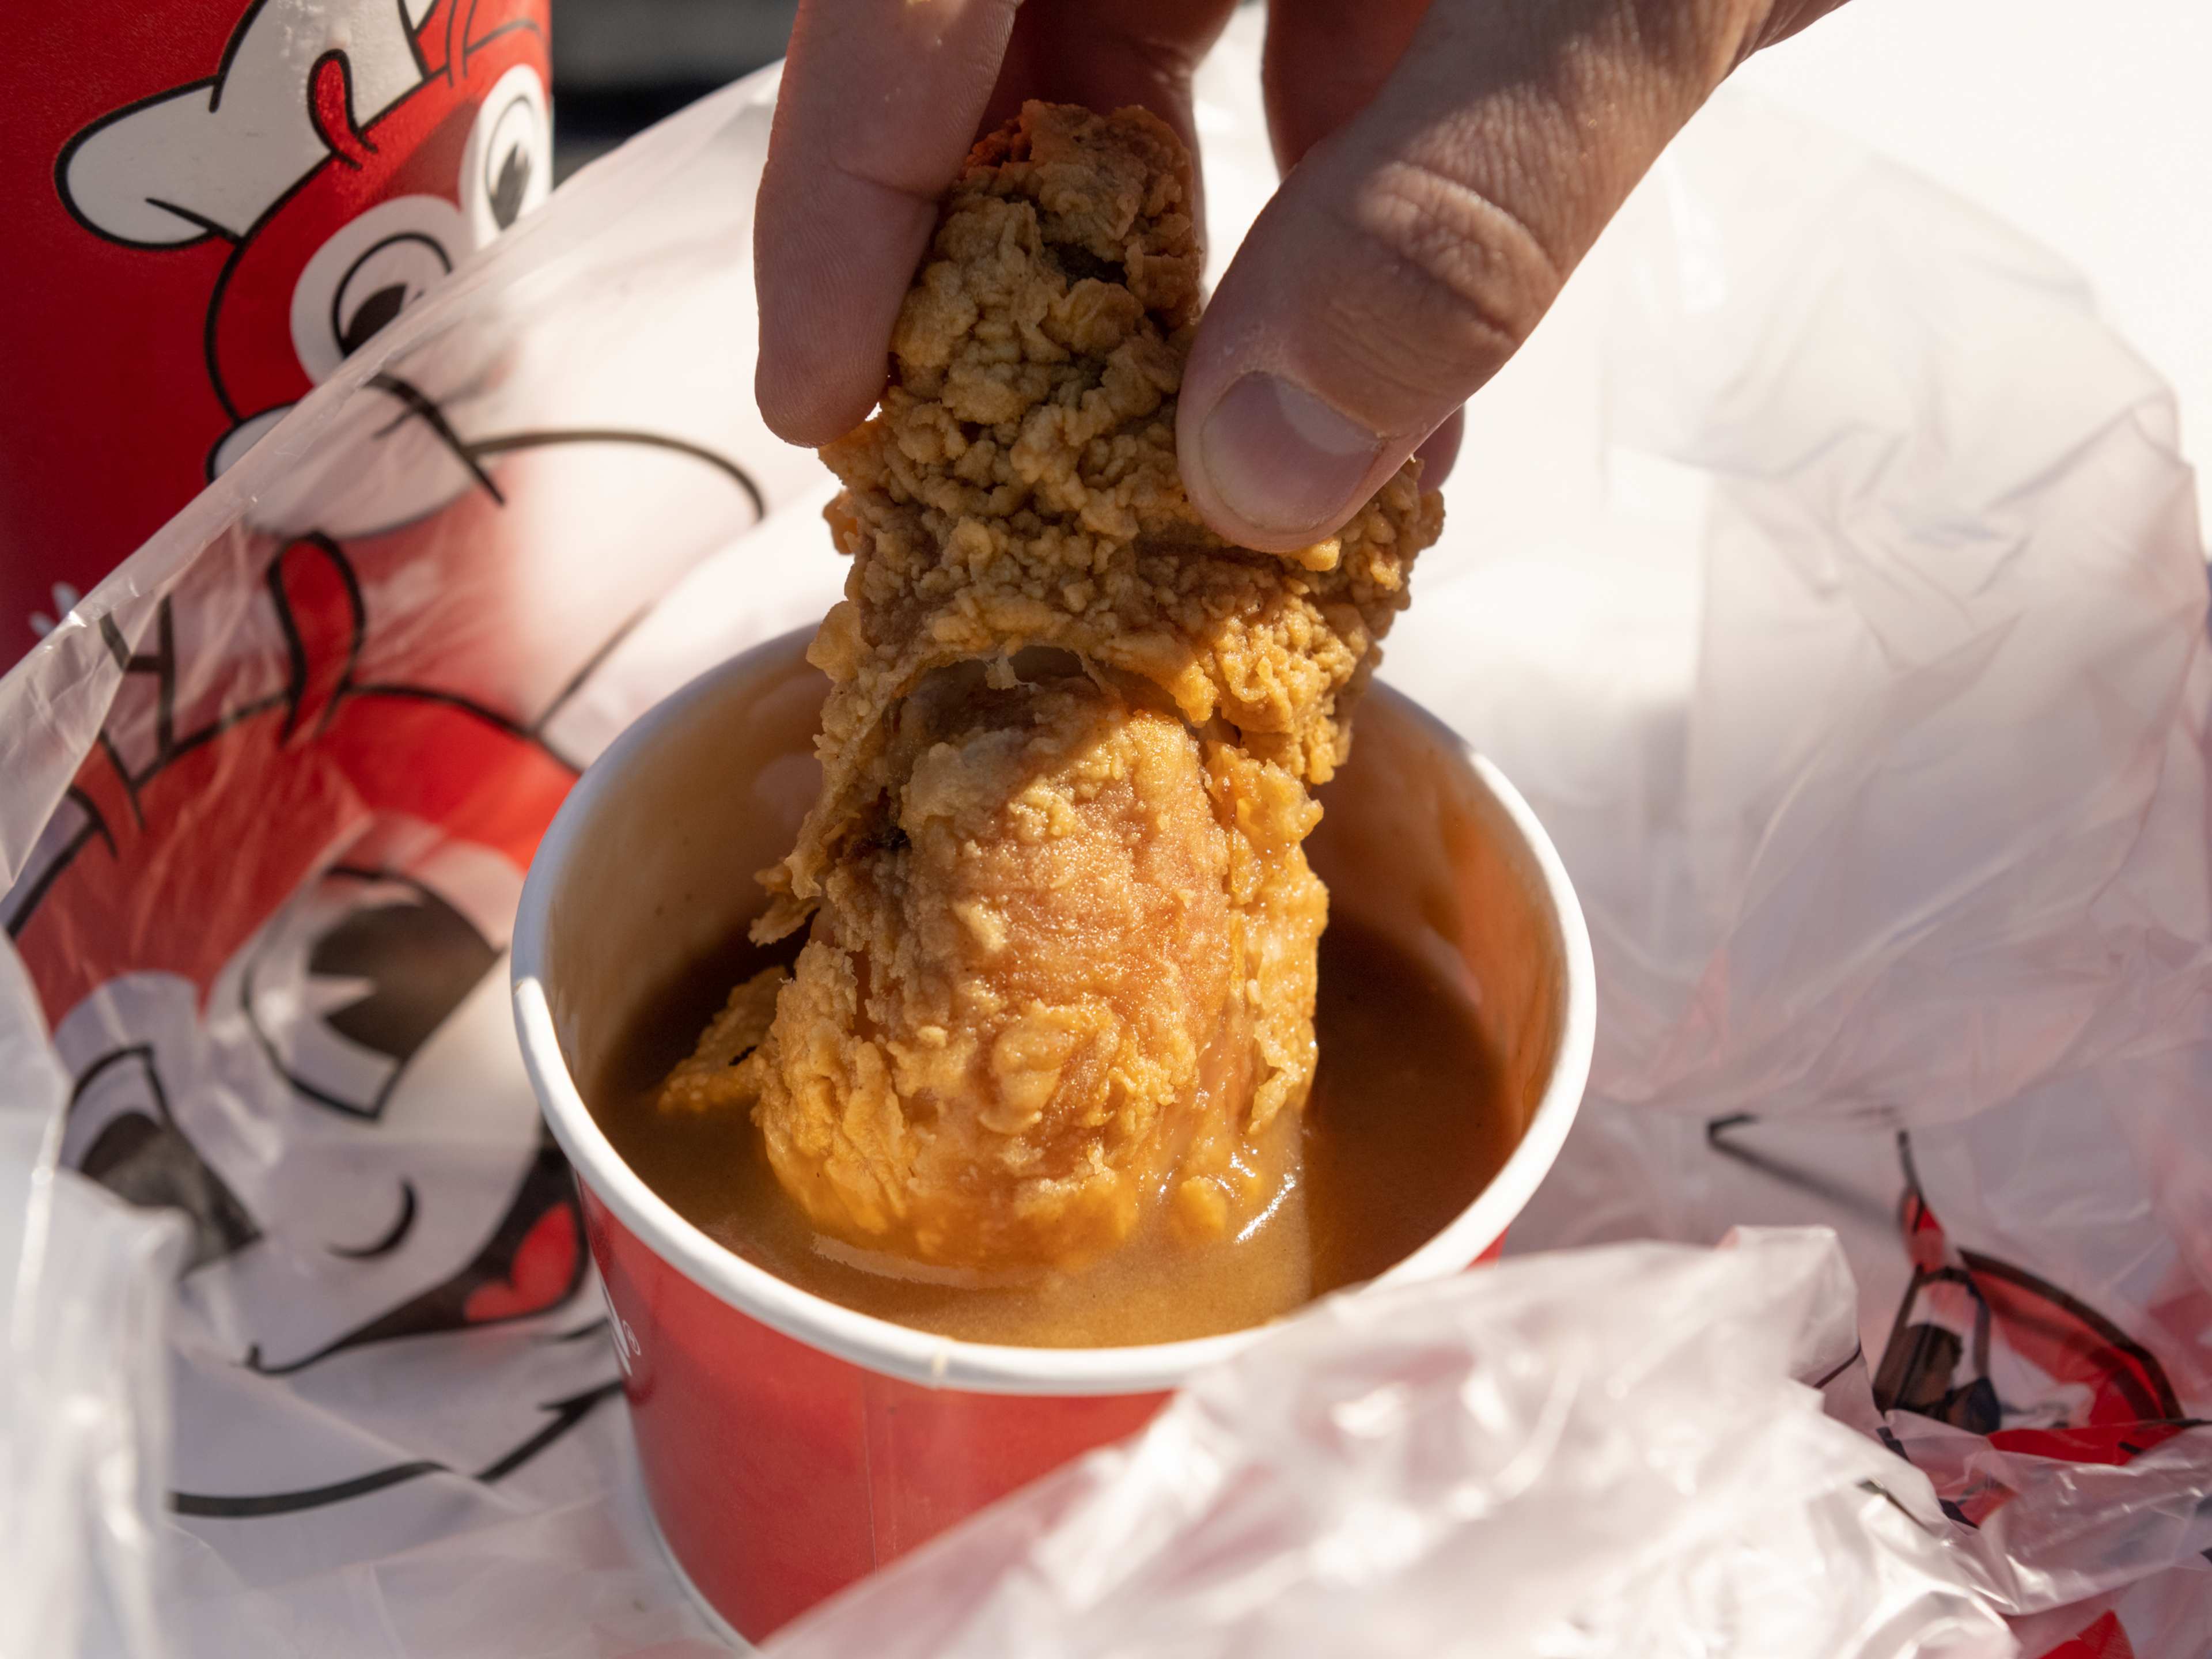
708,1078
1063,958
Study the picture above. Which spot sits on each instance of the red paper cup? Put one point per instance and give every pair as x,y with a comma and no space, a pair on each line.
791,1445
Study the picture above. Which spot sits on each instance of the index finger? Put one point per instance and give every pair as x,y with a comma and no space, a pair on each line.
879,106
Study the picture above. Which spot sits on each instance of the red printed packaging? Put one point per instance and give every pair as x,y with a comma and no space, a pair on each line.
212,203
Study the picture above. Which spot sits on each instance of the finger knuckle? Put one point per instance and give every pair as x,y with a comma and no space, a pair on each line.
1695,41
1450,283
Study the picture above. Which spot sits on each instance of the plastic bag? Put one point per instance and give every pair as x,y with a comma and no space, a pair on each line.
83,1422
1581,1453
1824,573
1865,693
270,795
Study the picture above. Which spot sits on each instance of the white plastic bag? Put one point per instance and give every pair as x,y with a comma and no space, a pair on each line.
83,1420
1865,692
1824,573
269,796
1585,1453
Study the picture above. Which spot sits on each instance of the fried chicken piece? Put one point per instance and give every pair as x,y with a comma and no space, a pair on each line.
1038,993
1019,484
1064,936
707,1078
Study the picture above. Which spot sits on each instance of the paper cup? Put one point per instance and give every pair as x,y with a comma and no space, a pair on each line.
789,1445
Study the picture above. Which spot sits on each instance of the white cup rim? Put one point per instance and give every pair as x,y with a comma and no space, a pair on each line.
922,1357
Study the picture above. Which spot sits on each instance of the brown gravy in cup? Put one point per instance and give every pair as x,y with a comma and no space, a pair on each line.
1401,1132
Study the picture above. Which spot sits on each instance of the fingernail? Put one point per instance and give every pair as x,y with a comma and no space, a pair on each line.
1280,459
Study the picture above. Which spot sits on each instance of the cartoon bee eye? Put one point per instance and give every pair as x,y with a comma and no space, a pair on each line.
353,978
373,268
392,274
118,1133
506,168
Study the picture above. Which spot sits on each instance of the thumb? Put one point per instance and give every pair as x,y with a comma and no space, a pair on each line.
1408,256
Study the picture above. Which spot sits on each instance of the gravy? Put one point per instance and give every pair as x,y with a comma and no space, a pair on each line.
1401,1132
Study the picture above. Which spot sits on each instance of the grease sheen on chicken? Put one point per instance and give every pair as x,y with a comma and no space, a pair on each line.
1062,963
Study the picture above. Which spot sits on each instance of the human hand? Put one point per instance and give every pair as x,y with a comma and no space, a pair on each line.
1449,162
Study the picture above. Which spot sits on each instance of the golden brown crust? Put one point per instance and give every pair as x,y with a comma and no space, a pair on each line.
709,1079
1059,981
1017,490
1018,485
